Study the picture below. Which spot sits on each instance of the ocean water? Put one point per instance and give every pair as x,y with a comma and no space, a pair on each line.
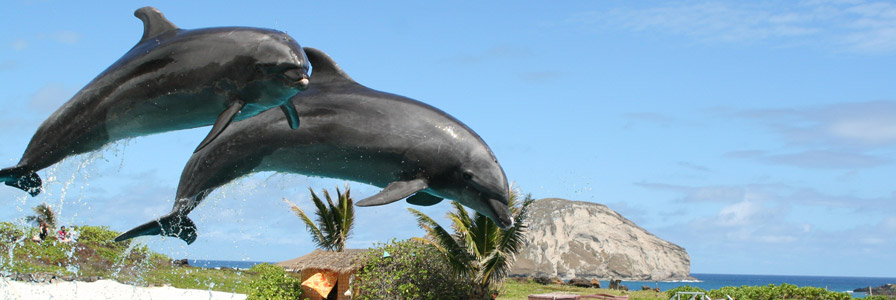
706,281
215,264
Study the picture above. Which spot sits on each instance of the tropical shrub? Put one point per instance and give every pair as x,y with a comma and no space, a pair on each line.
412,270
273,283
686,288
768,292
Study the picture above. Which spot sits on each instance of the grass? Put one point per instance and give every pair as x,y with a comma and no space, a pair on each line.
514,290
227,280
95,254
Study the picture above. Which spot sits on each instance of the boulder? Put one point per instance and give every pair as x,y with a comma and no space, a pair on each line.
580,282
542,280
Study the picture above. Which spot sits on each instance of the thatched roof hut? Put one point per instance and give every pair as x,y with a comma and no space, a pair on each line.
346,261
343,264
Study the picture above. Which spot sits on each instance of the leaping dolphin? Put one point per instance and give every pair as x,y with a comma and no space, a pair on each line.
354,133
172,79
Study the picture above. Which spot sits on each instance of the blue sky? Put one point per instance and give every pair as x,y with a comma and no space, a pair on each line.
760,136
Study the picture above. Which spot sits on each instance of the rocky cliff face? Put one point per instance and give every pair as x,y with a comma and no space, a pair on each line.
588,240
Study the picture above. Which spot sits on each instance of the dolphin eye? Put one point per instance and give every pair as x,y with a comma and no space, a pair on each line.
293,74
468,175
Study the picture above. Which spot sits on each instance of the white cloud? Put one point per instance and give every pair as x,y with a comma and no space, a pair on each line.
65,37
7,65
741,213
19,44
843,125
825,160
774,193
50,97
857,26
872,131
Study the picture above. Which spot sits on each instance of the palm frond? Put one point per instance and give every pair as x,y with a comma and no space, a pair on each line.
478,247
43,213
458,259
334,220
316,236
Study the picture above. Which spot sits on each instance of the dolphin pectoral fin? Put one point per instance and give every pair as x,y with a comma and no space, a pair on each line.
423,199
176,225
291,114
221,123
23,180
395,191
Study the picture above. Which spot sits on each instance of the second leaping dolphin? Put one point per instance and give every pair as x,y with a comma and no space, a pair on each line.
349,132
172,79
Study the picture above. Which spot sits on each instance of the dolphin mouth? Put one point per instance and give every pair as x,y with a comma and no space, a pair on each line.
296,78
302,84
502,213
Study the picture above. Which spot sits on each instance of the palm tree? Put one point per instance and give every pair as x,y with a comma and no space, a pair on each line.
334,222
43,213
479,249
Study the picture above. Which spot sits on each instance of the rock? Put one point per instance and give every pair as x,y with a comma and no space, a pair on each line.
556,280
887,289
580,282
180,262
645,288
542,280
595,283
573,239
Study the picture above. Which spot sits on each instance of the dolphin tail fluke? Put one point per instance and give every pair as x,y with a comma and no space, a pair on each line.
174,224
22,179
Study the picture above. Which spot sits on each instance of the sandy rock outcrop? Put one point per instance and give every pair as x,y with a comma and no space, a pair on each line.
572,239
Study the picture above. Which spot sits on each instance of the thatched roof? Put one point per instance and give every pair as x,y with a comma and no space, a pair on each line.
346,261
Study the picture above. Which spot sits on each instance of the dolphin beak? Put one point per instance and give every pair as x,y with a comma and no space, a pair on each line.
303,83
502,213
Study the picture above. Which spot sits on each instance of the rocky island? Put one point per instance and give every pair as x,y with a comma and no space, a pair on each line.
574,239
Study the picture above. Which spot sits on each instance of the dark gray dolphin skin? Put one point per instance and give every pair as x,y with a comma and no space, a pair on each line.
348,132
172,79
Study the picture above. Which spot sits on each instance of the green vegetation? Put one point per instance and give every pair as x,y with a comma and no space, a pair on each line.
768,292
92,255
334,222
412,270
274,284
95,254
478,250
517,290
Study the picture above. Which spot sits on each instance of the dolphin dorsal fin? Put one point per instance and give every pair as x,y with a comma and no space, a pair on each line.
154,23
324,68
